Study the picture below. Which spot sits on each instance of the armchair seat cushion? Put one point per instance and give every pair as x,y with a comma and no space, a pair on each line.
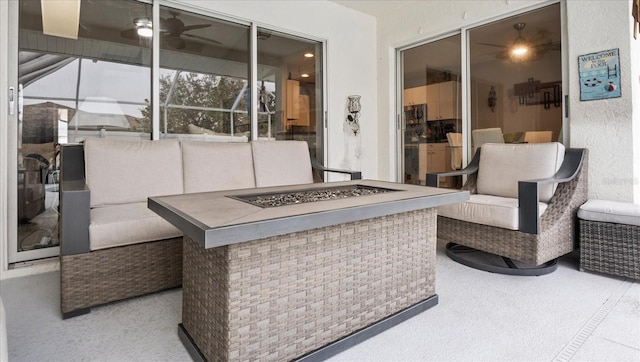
118,225
490,210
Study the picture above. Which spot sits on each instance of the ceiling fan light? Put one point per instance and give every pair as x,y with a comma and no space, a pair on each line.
145,32
144,27
519,50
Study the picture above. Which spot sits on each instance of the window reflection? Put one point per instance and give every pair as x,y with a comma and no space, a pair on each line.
97,85
516,79
203,78
290,89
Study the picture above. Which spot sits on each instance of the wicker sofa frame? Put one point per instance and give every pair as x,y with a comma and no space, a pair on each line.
91,278
540,240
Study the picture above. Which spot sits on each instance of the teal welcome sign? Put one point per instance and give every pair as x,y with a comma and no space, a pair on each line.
599,75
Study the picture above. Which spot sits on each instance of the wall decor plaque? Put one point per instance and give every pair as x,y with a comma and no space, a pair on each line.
599,75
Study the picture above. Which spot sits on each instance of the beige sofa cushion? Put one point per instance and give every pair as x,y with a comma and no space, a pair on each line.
117,225
214,166
489,210
503,165
278,163
119,171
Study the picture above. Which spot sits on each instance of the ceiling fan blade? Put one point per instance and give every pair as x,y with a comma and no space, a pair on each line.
193,27
130,34
174,42
202,38
493,45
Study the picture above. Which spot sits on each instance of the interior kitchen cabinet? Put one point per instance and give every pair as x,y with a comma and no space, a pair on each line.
297,107
435,157
416,95
443,101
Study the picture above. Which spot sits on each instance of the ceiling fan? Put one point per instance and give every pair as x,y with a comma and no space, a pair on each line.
172,30
522,49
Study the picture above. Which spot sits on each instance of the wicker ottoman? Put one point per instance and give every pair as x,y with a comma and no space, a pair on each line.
610,238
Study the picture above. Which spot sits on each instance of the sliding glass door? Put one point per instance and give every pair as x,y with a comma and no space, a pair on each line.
515,68
432,117
512,86
88,71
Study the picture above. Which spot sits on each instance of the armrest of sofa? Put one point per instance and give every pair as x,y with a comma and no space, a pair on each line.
528,198
74,202
74,217
355,175
433,179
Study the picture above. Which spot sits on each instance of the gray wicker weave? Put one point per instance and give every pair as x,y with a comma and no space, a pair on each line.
557,234
281,297
107,275
610,248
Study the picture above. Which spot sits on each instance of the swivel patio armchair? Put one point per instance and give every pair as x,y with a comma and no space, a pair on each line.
523,207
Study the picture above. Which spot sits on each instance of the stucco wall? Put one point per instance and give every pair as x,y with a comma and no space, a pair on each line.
351,66
606,127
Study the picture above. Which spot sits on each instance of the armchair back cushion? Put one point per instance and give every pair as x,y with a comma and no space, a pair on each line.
116,177
503,165
216,166
281,163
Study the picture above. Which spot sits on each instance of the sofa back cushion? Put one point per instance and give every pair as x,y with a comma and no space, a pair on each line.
122,171
503,165
215,166
279,163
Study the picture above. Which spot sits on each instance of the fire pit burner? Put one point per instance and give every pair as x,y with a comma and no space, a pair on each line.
303,196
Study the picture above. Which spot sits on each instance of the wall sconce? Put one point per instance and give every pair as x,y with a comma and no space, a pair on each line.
493,99
353,106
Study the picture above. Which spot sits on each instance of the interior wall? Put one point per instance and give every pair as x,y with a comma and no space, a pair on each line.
351,67
604,126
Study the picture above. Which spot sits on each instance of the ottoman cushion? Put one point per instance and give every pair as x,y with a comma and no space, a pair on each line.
610,211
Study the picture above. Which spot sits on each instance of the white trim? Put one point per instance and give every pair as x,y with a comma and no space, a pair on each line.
155,74
253,80
4,105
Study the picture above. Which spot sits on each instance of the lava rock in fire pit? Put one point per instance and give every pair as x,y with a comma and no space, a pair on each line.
303,196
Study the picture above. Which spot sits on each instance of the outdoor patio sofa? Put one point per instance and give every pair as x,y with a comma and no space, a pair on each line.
112,246
523,207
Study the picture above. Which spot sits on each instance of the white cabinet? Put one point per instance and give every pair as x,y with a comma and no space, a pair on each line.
297,107
413,96
435,157
443,101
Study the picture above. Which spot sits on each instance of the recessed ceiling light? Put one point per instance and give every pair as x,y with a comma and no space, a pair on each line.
304,75
308,55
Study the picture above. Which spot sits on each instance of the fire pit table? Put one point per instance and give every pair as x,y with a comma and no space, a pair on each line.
305,271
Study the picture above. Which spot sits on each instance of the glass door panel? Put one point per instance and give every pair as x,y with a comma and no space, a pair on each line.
91,80
516,79
290,90
432,129
204,72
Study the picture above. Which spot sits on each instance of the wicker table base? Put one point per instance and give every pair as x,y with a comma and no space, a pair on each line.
288,296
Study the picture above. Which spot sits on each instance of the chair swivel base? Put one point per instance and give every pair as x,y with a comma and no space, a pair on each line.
496,264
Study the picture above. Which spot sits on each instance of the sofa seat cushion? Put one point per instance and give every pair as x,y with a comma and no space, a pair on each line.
503,165
118,225
489,210
610,211
216,166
